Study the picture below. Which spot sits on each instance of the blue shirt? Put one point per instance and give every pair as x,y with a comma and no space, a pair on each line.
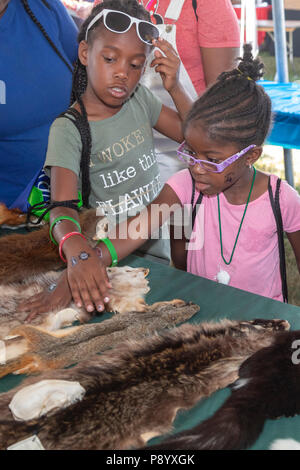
35,87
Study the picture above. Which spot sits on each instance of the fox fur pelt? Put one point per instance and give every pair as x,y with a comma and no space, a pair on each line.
134,390
33,253
34,350
268,387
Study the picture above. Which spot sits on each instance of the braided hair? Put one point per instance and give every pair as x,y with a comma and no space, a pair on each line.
235,109
43,31
132,8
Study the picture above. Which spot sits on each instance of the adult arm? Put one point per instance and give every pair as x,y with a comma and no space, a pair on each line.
216,60
218,37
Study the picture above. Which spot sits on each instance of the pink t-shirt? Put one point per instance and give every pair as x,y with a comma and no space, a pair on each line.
217,26
255,263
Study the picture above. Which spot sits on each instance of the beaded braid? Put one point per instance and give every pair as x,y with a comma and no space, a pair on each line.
132,8
43,31
235,108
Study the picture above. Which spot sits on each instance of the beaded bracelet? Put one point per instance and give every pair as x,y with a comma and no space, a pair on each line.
63,217
111,249
62,241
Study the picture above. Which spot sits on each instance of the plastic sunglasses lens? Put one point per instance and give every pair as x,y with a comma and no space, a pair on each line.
117,22
148,32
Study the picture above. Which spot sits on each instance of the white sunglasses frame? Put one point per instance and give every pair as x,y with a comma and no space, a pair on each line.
133,20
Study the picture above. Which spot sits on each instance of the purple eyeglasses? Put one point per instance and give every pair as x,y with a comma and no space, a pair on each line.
210,166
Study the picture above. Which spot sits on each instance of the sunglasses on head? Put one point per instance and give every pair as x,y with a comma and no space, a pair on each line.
183,154
119,22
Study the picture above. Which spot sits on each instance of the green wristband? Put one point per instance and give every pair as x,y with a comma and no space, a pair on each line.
63,217
111,249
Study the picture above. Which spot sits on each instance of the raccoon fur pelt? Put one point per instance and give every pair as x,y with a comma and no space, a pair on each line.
129,287
33,253
268,387
32,350
134,391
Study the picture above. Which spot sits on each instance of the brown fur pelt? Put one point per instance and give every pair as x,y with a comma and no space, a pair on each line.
33,253
268,387
34,350
129,287
12,217
134,391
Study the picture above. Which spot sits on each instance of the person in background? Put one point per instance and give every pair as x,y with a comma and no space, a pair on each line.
38,47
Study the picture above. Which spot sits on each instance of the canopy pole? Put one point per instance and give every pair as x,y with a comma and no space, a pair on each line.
282,71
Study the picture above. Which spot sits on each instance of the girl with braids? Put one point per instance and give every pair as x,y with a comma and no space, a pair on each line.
234,239
38,48
103,144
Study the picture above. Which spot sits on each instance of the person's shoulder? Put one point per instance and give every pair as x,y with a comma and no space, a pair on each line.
181,183
287,194
63,125
143,93
48,9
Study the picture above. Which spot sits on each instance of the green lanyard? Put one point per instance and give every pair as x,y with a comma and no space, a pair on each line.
220,229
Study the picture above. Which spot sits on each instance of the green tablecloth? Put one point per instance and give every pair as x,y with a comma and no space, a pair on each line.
216,302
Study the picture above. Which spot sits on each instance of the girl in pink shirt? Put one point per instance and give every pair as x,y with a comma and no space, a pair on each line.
234,238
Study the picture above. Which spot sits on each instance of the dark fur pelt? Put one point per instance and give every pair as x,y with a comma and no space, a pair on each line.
26,255
134,391
268,388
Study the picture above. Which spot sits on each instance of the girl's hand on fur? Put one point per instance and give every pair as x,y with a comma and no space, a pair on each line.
88,281
166,63
49,300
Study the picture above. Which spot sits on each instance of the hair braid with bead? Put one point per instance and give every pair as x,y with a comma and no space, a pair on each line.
80,80
235,109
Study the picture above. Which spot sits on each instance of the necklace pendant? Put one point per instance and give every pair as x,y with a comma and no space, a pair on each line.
223,277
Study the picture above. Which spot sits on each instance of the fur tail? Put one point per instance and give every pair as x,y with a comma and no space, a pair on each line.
236,425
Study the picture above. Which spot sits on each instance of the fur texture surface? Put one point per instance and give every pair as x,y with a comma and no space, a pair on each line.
268,388
13,217
134,390
26,255
41,351
132,281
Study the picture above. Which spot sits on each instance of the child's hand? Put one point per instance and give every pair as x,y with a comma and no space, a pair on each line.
166,63
88,281
48,300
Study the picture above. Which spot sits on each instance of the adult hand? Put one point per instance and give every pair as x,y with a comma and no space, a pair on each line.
167,63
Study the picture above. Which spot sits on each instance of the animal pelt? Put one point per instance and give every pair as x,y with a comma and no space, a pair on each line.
134,390
13,217
129,287
268,387
35,350
33,253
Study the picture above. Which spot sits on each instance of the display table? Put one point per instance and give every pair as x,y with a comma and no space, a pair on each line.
216,302
285,99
